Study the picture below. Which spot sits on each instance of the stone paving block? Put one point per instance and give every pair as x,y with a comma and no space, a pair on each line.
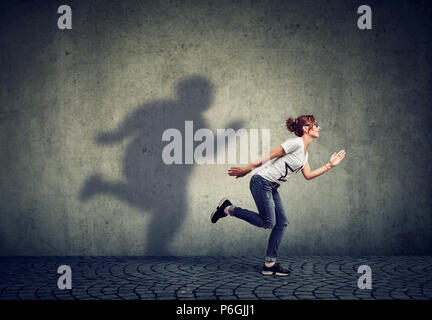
246,295
306,297
347,297
188,297
266,296
147,295
129,298
212,297
165,298
10,297
66,297
286,297
224,291
419,298
227,297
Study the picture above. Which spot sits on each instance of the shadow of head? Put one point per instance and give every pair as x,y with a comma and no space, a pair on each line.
195,93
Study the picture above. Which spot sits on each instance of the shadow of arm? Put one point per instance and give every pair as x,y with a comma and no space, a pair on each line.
130,125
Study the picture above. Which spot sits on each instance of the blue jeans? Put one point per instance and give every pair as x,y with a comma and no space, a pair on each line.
271,212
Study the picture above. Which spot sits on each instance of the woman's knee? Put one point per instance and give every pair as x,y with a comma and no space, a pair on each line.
269,225
281,225
273,225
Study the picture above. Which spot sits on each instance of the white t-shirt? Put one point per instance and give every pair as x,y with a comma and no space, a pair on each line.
287,165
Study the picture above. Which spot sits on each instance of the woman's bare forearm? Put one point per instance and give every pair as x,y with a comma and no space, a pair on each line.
259,162
321,170
256,164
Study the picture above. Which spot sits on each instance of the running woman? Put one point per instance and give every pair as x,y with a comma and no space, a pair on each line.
291,157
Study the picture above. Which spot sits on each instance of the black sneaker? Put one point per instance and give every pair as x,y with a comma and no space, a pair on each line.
220,213
277,269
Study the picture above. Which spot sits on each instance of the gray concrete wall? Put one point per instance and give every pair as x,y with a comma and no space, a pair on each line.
82,113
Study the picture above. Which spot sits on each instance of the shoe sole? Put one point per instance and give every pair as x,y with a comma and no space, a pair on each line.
269,273
214,212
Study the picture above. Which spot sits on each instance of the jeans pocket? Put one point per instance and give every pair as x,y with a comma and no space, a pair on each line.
259,183
266,185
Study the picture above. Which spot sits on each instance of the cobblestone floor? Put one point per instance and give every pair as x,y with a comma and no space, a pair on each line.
222,278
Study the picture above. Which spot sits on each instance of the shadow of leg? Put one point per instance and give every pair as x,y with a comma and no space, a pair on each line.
165,222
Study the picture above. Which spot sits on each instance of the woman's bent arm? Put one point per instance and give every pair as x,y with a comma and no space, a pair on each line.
309,174
335,159
242,171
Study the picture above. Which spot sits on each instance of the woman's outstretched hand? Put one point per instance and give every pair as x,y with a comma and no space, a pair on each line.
238,172
335,159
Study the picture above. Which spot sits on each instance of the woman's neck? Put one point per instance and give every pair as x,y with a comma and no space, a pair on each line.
307,140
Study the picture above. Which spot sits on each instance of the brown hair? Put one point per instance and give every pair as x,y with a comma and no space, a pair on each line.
296,125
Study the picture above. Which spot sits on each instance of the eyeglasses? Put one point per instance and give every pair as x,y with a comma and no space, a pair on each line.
315,124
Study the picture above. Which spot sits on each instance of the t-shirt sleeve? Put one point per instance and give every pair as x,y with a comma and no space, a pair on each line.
290,145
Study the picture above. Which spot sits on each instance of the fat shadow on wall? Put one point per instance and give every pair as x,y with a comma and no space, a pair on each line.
149,184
